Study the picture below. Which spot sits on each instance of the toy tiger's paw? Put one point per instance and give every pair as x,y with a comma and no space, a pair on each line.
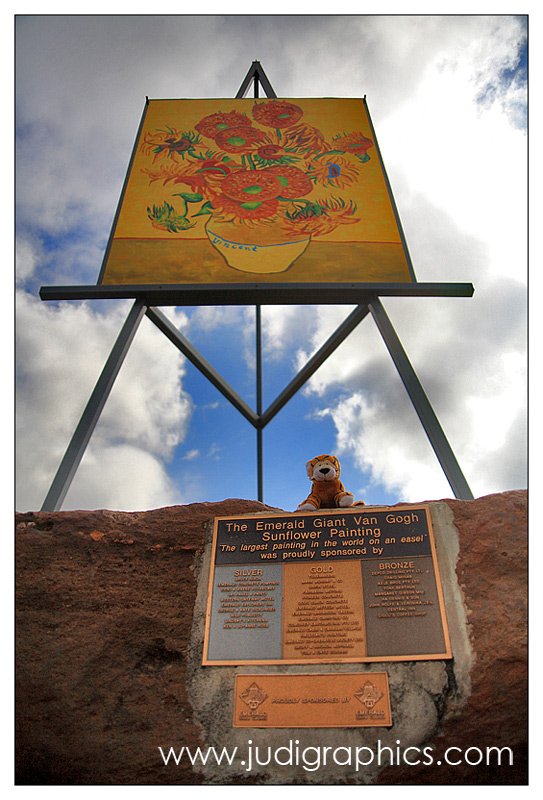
346,501
306,507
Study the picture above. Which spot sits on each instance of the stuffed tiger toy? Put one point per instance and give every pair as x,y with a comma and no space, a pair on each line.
327,491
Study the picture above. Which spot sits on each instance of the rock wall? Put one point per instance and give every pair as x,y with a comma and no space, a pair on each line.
104,614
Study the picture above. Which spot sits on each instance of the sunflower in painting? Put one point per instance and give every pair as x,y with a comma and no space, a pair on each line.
254,170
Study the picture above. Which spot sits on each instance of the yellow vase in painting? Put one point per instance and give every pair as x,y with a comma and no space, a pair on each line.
262,249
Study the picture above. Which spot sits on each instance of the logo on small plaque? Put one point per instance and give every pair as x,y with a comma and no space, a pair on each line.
253,697
369,694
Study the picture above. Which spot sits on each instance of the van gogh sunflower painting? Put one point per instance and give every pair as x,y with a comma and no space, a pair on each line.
225,191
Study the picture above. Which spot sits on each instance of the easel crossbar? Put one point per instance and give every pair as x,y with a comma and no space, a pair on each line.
246,294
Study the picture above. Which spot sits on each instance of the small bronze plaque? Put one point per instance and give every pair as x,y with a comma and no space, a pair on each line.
336,586
332,700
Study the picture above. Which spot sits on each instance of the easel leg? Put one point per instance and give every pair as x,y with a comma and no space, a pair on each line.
426,414
259,434
97,400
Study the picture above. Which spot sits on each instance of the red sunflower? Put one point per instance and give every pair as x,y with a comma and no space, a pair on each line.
271,152
251,184
239,140
215,123
249,209
355,143
196,174
320,217
277,114
294,182
305,139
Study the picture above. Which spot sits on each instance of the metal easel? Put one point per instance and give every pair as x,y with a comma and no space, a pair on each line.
147,297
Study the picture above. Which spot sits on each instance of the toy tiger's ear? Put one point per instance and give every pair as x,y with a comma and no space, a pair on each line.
335,462
309,468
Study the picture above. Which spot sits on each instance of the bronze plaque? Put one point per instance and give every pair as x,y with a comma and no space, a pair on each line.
334,586
334,700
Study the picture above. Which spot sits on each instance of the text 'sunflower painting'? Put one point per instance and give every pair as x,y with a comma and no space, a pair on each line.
264,190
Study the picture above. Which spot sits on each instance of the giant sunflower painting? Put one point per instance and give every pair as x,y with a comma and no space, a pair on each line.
226,191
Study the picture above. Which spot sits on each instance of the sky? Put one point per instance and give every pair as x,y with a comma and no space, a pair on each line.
448,99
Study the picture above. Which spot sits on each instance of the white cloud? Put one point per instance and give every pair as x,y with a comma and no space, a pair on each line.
283,327
61,352
26,256
123,478
471,164
393,449
191,455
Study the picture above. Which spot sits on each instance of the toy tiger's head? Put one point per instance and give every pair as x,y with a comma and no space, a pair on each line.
323,468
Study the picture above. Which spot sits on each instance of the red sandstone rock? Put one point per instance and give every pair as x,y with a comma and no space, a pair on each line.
492,570
103,618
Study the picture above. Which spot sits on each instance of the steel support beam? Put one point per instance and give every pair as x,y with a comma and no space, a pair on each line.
339,335
250,294
196,358
422,405
259,435
259,76
91,414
